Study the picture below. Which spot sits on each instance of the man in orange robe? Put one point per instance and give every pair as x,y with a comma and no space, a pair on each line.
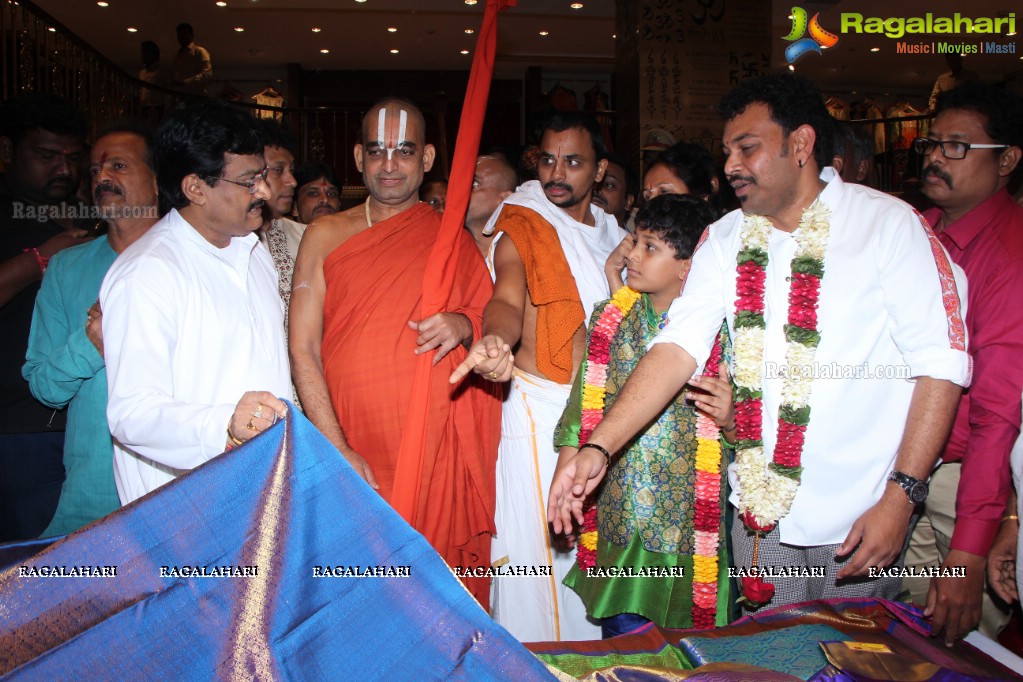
356,328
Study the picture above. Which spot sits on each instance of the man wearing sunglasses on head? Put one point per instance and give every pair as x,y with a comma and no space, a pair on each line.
193,327
971,153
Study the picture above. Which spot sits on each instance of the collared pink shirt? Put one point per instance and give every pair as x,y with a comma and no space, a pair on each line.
988,244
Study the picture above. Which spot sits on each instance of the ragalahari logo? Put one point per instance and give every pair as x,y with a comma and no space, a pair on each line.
819,38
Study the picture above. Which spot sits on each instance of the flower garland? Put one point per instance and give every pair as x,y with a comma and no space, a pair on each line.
594,390
767,488
707,514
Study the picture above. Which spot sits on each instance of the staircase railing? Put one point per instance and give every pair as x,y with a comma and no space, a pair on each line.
39,54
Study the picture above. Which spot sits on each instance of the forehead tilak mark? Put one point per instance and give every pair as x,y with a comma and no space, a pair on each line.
382,126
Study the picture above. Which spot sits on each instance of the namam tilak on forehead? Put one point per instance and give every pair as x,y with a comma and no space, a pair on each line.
391,144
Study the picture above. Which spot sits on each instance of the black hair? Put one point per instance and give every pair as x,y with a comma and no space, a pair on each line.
40,111
185,26
678,219
631,179
274,134
854,138
427,184
314,170
581,120
690,163
793,101
1002,111
140,128
194,139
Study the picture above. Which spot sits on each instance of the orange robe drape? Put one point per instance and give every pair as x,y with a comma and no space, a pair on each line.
552,289
373,289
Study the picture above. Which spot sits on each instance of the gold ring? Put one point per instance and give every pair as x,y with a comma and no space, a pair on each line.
250,426
493,376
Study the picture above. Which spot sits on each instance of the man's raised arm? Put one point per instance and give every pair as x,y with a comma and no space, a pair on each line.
657,379
491,356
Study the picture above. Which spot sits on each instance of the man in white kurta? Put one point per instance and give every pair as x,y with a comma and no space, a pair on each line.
883,322
549,260
887,371
192,323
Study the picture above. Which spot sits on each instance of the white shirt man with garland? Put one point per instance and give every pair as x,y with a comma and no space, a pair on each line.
193,327
886,374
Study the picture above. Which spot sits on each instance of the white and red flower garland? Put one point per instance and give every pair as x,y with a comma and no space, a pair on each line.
707,512
768,487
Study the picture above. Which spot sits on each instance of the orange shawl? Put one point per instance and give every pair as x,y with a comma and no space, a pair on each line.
373,289
551,286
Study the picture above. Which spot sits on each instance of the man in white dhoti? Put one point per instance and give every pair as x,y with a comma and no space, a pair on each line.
549,264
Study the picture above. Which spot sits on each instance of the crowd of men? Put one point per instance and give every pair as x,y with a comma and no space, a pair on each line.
223,281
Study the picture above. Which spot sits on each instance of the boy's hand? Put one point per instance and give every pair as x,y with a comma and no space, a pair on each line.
617,261
713,397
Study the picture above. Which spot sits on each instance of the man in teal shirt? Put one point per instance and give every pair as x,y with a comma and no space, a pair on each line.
65,350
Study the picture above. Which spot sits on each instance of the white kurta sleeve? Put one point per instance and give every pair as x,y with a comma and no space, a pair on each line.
925,298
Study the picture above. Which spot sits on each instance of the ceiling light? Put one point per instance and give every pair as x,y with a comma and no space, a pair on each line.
1009,35
324,51
360,0
465,52
545,33
239,29
392,29
576,5
875,49
614,36
394,52
132,29
103,4
221,4
470,2
316,29
792,67
51,29
469,31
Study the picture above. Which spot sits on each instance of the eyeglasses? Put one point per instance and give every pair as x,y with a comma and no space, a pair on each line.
950,149
248,184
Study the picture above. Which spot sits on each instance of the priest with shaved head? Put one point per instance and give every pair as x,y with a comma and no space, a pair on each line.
357,326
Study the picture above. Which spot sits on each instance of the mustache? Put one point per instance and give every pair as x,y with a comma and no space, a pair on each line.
560,185
732,179
931,169
106,187
258,203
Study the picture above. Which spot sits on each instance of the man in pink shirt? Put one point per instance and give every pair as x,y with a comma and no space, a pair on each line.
971,153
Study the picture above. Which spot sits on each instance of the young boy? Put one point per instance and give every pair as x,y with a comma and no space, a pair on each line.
653,547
